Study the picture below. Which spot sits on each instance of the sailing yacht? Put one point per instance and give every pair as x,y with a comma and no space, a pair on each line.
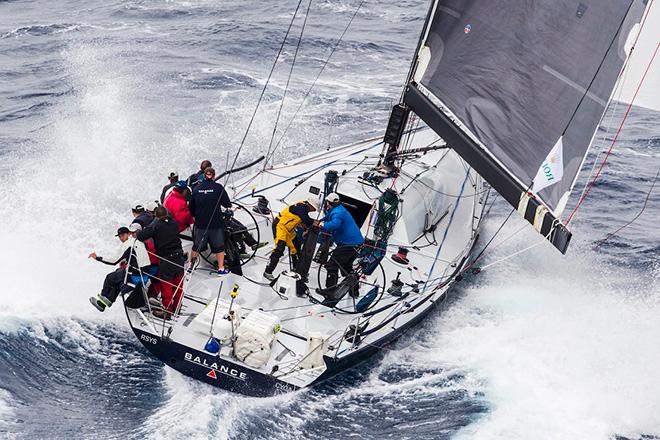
511,96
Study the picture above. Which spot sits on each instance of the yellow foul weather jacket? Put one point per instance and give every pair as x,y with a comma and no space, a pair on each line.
287,222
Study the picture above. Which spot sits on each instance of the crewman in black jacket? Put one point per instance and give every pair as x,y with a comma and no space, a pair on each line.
141,216
197,177
206,202
165,233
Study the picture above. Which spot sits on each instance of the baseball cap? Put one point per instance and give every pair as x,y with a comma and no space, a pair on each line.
333,198
134,227
122,230
182,184
173,174
138,207
314,201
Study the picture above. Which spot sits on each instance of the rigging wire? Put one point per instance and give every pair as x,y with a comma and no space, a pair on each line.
254,113
288,81
646,200
263,90
318,75
608,126
514,254
480,254
620,82
616,137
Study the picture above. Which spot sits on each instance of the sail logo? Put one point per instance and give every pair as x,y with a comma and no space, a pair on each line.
552,169
547,168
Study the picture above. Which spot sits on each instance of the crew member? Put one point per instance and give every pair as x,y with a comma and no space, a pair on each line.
154,286
206,203
141,216
243,238
347,237
173,177
165,233
284,230
198,177
176,204
151,206
132,259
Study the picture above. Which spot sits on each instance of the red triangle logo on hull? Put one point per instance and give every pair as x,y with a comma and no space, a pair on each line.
211,374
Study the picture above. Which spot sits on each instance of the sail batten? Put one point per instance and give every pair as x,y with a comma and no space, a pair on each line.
528,81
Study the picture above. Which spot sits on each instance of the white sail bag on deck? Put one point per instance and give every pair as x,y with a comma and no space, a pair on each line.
254,338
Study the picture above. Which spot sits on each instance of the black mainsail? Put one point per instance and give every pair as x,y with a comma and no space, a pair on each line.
518,88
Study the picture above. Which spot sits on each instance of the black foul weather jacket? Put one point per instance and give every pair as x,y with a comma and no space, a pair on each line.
144,219
165,233
207,198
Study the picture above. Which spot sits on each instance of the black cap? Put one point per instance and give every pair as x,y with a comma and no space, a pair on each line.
122,230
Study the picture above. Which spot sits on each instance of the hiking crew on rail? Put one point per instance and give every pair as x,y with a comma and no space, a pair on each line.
132,259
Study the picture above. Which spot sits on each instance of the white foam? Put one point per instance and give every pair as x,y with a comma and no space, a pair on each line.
562,348
74,186
196,410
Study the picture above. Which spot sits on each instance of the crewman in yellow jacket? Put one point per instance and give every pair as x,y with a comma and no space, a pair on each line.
284,230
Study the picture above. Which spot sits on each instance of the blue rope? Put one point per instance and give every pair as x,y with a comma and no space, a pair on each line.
444,237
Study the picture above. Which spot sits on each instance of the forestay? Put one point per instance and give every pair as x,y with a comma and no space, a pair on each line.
518,89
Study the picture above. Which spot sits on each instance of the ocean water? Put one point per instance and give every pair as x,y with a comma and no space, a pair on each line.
100,100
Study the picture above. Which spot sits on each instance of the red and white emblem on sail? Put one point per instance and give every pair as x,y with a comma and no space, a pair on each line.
552,168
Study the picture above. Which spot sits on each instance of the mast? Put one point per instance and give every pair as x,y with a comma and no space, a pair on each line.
517,90
400,112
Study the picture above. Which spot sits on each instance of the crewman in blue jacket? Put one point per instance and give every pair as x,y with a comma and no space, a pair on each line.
347,237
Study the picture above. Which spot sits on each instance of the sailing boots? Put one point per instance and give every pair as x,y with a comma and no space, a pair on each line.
100,302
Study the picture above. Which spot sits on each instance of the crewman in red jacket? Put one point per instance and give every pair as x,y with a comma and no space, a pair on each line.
176,204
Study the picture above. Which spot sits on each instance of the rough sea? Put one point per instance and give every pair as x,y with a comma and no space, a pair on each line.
100,100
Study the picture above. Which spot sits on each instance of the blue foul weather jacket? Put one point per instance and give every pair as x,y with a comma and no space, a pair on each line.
345,231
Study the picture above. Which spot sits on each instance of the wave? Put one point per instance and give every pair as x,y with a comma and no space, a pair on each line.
364,403
536,347
562,346
8,419
71,378
40,30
